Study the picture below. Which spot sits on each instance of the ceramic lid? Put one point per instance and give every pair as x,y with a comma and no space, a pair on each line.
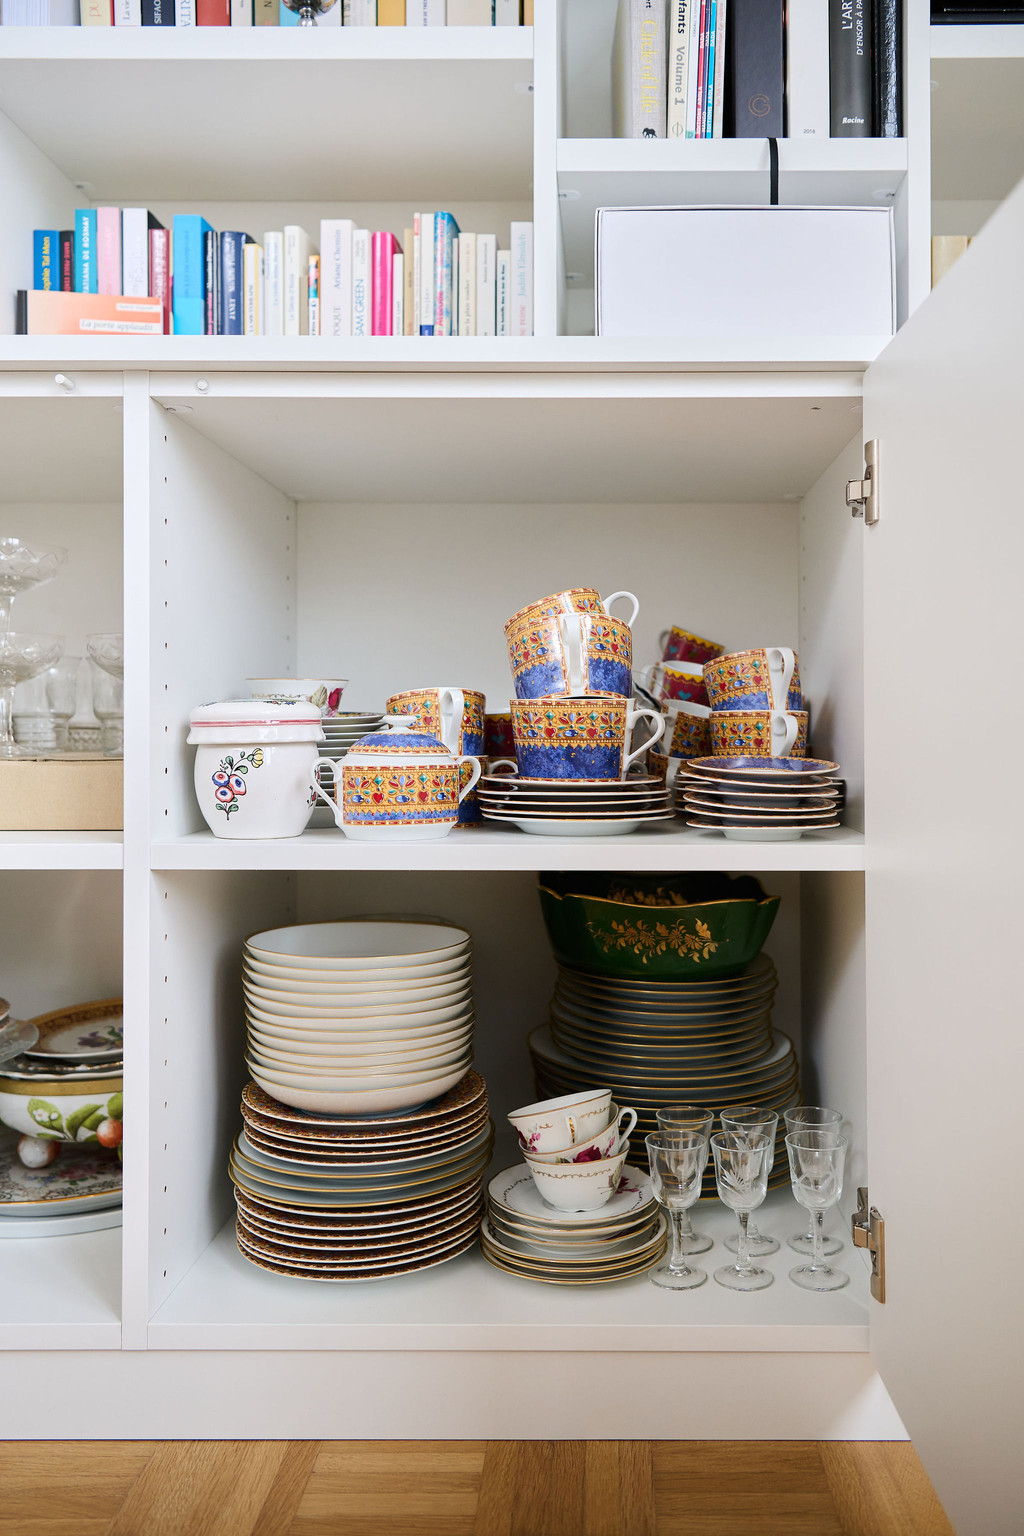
237,720
395,736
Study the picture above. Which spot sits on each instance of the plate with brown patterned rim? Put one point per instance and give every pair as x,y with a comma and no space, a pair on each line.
415,1246
360,1242
465,1092
289,1193
305,1273
359,1146
368,1221
304,1153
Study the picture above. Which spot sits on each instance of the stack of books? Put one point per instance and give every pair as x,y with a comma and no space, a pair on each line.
192,280
264,13
702,69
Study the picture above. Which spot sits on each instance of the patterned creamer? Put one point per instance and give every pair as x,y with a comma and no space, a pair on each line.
399,784
253,764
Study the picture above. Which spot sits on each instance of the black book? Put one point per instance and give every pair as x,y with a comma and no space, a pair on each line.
887,68
67,261
21,312
158,13
849,68
754,69
211,281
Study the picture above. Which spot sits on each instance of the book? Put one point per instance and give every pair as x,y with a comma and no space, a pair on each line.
703,91
362,293
273,283
97,13
160,271
187,267
211,282
158,13
313,291
391,13
295,274
85,250
66,240
468,13
231,298
264,13
408,283
398,294
88,314
506,13
241,13
503,294
184,13
527,13
754,43
108,250
946,249
127,13
363,13
45,260
639,84
718,84
213,13
807,69
887,68
678,53
252,289
424,13
136,224
467,284
336,277
486,261
521,242
425,249
383,250
693,68
849,54
445,231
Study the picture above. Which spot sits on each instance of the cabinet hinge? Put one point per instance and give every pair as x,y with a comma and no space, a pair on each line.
862,495
869,1232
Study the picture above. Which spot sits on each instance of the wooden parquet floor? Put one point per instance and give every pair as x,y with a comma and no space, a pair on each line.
465,1488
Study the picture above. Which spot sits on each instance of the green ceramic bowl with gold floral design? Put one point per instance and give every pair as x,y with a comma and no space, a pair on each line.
661,928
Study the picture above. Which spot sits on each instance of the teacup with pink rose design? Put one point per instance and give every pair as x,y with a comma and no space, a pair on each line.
552,1124
577,1186
607,1143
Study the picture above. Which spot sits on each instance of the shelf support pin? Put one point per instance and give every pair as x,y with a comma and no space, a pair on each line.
202,385
63,382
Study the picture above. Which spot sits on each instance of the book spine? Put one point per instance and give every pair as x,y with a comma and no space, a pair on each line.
849,45
336,277
503,269
90,314
383,246
184,13
362,294
887,67
273,283
445,231
398,294
127,13
426,247
702,72
486,260
213,13
252,288
313,290
754,41
417,280
21,313
678,49
108,250
85,250
45,260
211,282
408,283
158,13
391,13
160,271
135,252
469,13
527,13
97,13
364,14
807,70
718,101
506,13
297,252
264,13
188,274
241,12
692,69
67,261
467,284
521,241
709,86
639,83
425,13
229,314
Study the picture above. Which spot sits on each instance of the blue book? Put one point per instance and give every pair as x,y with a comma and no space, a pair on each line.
85,250
445,230
46,259
232,282
188,287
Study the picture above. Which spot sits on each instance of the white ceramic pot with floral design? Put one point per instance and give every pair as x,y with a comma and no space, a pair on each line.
399,785
254,763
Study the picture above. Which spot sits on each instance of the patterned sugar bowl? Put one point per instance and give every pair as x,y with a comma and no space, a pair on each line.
579,738
325,693
399,785
571,655
575,600
254,761
456,716
682,645
768,678
758,733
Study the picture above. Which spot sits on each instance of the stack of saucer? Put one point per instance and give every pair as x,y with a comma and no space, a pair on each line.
523,1235
574,807
759,799
343,730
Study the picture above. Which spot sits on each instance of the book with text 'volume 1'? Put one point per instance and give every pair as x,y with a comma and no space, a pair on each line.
849,46
639,66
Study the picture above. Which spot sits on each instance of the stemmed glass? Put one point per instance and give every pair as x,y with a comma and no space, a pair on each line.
741,1171
753,1119
21,657
675,1120
816,1162
813,1117
22,566
107,651
677,1171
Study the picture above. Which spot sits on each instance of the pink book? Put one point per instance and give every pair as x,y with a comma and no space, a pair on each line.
385,249
108,250
160,270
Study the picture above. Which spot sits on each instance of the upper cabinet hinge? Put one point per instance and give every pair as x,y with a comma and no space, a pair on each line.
862,495
869,1232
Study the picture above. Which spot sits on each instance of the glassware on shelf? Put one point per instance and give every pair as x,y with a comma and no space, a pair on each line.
24,565
741,1172
108,707
814,1117
677,1172
745,1119
816,1162
21,657
674,1120
44,705
107,651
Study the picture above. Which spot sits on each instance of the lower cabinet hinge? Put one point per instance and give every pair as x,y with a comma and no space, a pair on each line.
869,1232
862,495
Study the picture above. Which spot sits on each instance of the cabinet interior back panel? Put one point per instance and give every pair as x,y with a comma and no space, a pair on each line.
86,596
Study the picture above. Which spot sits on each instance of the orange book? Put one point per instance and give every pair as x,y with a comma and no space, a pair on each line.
391,13
88,314
527,13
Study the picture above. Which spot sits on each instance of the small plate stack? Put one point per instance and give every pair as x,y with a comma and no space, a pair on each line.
523,1235
343,730
335,1199
574,807
759,799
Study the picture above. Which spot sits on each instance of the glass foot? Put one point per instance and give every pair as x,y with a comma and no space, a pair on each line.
804,1245
821,1279
757,1246
678,1279
752,1278
695,1242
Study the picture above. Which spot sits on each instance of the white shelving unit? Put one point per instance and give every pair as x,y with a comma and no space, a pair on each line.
381,507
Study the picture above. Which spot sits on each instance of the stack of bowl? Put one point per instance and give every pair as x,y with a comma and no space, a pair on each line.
359,1017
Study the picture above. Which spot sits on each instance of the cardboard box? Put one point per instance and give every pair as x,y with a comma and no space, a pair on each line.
746,273
82,792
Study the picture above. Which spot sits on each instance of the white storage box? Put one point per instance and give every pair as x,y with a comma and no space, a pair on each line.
745,273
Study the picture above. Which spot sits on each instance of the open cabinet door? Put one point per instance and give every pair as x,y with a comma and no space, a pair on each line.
944,770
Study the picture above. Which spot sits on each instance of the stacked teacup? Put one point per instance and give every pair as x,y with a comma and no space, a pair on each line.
575,1147
456,717
677,682
757,707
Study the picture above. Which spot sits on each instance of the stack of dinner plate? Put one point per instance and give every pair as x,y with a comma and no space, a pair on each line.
523,1235
343,1199
574,807
360,1017
759,799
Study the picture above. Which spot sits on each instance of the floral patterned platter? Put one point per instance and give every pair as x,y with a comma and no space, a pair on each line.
80,1179
87,1034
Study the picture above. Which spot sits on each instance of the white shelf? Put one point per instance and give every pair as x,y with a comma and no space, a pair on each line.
61,850
61,1292
506,848
269,44
596,173
224,1302
981,41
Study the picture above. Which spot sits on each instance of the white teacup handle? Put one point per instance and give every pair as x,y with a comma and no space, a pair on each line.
504,762
781,662
574,651
647,677
792,725
607,605
630,1116
452,706
632,716
663,639
334,805
477,766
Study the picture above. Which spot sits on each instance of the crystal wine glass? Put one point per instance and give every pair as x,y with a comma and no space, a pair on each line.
816,1162
21,657
44,705
674,1120
814,1117
745,1120
107,651
741,1171
108,707
677,1171
22,566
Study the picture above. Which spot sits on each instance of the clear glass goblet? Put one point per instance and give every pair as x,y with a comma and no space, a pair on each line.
44,705
677,1172
741,1172
814,1117
107,651
22,566
744,1120
816,1162
108,707
673,1120
21,657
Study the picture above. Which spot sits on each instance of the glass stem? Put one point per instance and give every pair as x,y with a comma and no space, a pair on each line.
5,615
6,714
817,1234
677,1219
685,1224
742,1246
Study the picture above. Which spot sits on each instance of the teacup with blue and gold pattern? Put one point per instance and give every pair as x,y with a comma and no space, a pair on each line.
586,738
571,655
766,678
